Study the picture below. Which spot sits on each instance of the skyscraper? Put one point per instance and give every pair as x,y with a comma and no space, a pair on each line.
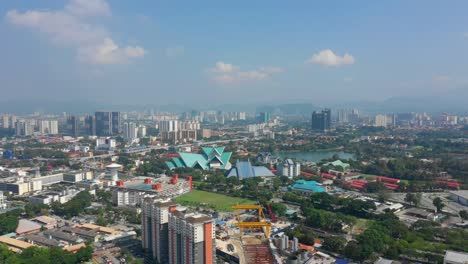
155,227
265,117
90,125
321,121
108,123
176,236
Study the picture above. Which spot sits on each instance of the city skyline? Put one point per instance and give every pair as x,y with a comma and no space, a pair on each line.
155,52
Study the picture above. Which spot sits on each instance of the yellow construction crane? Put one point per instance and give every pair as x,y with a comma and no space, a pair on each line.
261,222
250,207
267,226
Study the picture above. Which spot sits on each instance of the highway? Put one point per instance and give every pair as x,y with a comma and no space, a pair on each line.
84,159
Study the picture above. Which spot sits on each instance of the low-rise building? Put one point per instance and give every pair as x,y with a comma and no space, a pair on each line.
454,257
460,197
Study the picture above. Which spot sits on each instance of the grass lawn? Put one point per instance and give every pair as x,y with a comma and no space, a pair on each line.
360,226
216,201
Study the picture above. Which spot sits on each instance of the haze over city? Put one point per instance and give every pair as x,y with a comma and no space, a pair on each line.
234,52
233,132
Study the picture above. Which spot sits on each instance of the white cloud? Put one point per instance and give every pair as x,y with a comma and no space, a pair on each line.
229,73
176,51
68,27
88,8
328,58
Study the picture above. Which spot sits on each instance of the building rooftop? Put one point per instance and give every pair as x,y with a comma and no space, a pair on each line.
461,193
311,186
244,170
11,242
455,257
27,226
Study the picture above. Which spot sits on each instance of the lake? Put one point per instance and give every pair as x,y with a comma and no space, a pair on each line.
314,156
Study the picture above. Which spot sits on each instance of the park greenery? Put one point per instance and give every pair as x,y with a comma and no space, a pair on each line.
52,255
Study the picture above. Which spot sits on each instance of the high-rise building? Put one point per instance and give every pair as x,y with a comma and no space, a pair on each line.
289,168
265,117
130,131
5,121
116,123
141,131
321,121
381,120
90,125
155,227
48,127
169,125
73,125
24,128
176,236
103,123
191,238
108,123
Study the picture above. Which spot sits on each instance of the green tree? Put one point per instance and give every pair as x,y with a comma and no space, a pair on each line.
438,203
463,214
334,244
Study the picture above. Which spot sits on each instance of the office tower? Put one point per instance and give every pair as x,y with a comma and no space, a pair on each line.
116,126
90,125
103,123
321,121
241,115
155,227
73,125
191,238
381,121
265,117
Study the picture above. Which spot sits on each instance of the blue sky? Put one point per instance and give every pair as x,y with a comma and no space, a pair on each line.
197,52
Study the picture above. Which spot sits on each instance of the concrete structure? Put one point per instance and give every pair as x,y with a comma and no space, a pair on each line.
381,120
155,227
174,235
321,121
134,191
105,143
244,170
32,183
3,204
114,171
460,197
191,238
108,123
50,197
130,131
48,127
289,168
454,257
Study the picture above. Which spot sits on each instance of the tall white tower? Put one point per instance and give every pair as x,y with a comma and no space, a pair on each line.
114,171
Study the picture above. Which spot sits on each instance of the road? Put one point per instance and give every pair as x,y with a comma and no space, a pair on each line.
83,159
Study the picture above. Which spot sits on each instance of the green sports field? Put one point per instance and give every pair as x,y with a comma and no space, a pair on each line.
219,202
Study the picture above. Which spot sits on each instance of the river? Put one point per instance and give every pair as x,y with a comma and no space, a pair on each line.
315,156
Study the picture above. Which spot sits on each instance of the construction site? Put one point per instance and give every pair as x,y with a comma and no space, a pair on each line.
246,234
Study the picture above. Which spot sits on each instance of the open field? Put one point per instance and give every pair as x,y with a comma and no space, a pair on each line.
215,201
